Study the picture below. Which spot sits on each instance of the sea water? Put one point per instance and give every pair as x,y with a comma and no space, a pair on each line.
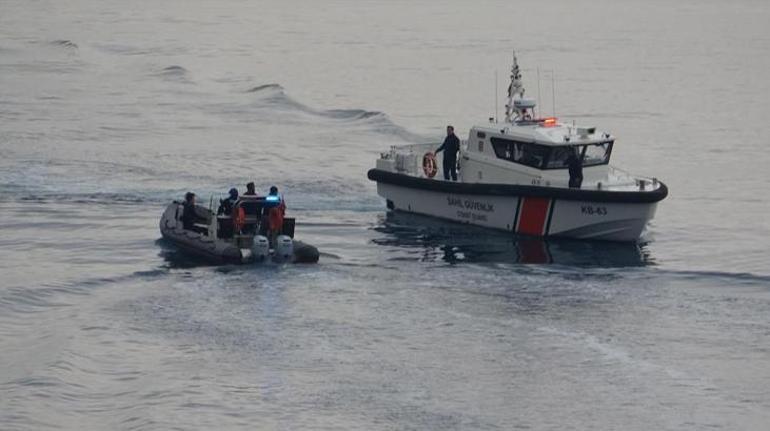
109,110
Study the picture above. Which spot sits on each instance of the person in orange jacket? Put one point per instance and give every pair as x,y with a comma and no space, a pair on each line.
275,216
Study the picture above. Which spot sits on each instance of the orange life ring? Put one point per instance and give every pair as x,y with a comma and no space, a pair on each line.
429,165
239,219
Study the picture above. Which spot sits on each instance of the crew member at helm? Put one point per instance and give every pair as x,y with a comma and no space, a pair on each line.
450,147
251,208
250,190
226,205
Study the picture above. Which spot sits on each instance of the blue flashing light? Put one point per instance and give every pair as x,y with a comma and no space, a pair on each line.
272,198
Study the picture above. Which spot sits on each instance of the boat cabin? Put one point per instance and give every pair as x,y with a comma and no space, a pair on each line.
534,151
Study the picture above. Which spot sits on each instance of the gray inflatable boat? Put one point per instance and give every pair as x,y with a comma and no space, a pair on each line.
214,237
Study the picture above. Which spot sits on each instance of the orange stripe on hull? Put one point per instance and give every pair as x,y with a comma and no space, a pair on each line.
534,212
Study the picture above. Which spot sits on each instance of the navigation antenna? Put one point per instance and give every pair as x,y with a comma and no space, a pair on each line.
539,99
553,91
496,106
515,88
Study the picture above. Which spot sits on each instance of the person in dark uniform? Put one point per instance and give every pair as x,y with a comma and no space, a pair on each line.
450,147
224,213
250,190
251,208
575,167
189,217
226,205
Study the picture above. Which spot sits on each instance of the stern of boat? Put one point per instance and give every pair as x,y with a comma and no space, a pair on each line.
410,160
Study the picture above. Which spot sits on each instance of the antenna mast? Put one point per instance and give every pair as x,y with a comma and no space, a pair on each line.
538,87
515,88
553,90
496,117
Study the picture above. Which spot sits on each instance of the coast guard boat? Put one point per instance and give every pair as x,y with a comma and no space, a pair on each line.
515,176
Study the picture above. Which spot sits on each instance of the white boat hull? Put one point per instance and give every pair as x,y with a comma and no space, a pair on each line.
541,216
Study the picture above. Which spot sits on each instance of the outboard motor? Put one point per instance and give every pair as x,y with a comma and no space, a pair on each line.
284,249
261,248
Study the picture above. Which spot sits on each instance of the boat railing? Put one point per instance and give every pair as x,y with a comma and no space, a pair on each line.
408,159
623,178
413,148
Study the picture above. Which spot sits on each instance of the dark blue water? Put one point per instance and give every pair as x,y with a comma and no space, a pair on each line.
110,110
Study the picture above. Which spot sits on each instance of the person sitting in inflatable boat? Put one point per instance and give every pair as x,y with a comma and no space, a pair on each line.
190,216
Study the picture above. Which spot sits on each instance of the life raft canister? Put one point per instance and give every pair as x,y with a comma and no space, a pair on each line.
239,219
429,166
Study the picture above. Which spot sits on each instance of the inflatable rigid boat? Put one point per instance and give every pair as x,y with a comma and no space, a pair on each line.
216,238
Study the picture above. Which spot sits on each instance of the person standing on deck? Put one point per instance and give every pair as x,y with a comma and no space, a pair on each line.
450,147
226,205
575,168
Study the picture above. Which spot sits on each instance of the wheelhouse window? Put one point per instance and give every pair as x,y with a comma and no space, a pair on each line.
551,157
597,154
524,153
560,155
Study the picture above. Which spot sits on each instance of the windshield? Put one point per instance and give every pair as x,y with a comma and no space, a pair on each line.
559,156
591,155
545,157
597,154
524,153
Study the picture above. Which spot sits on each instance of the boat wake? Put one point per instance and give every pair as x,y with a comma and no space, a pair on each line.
274,96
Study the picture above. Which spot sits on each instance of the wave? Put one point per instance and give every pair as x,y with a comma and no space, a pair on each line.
174,69
351,114
89,198
64,43
164,50
274,96
743,278
173,72
264,87
24,299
